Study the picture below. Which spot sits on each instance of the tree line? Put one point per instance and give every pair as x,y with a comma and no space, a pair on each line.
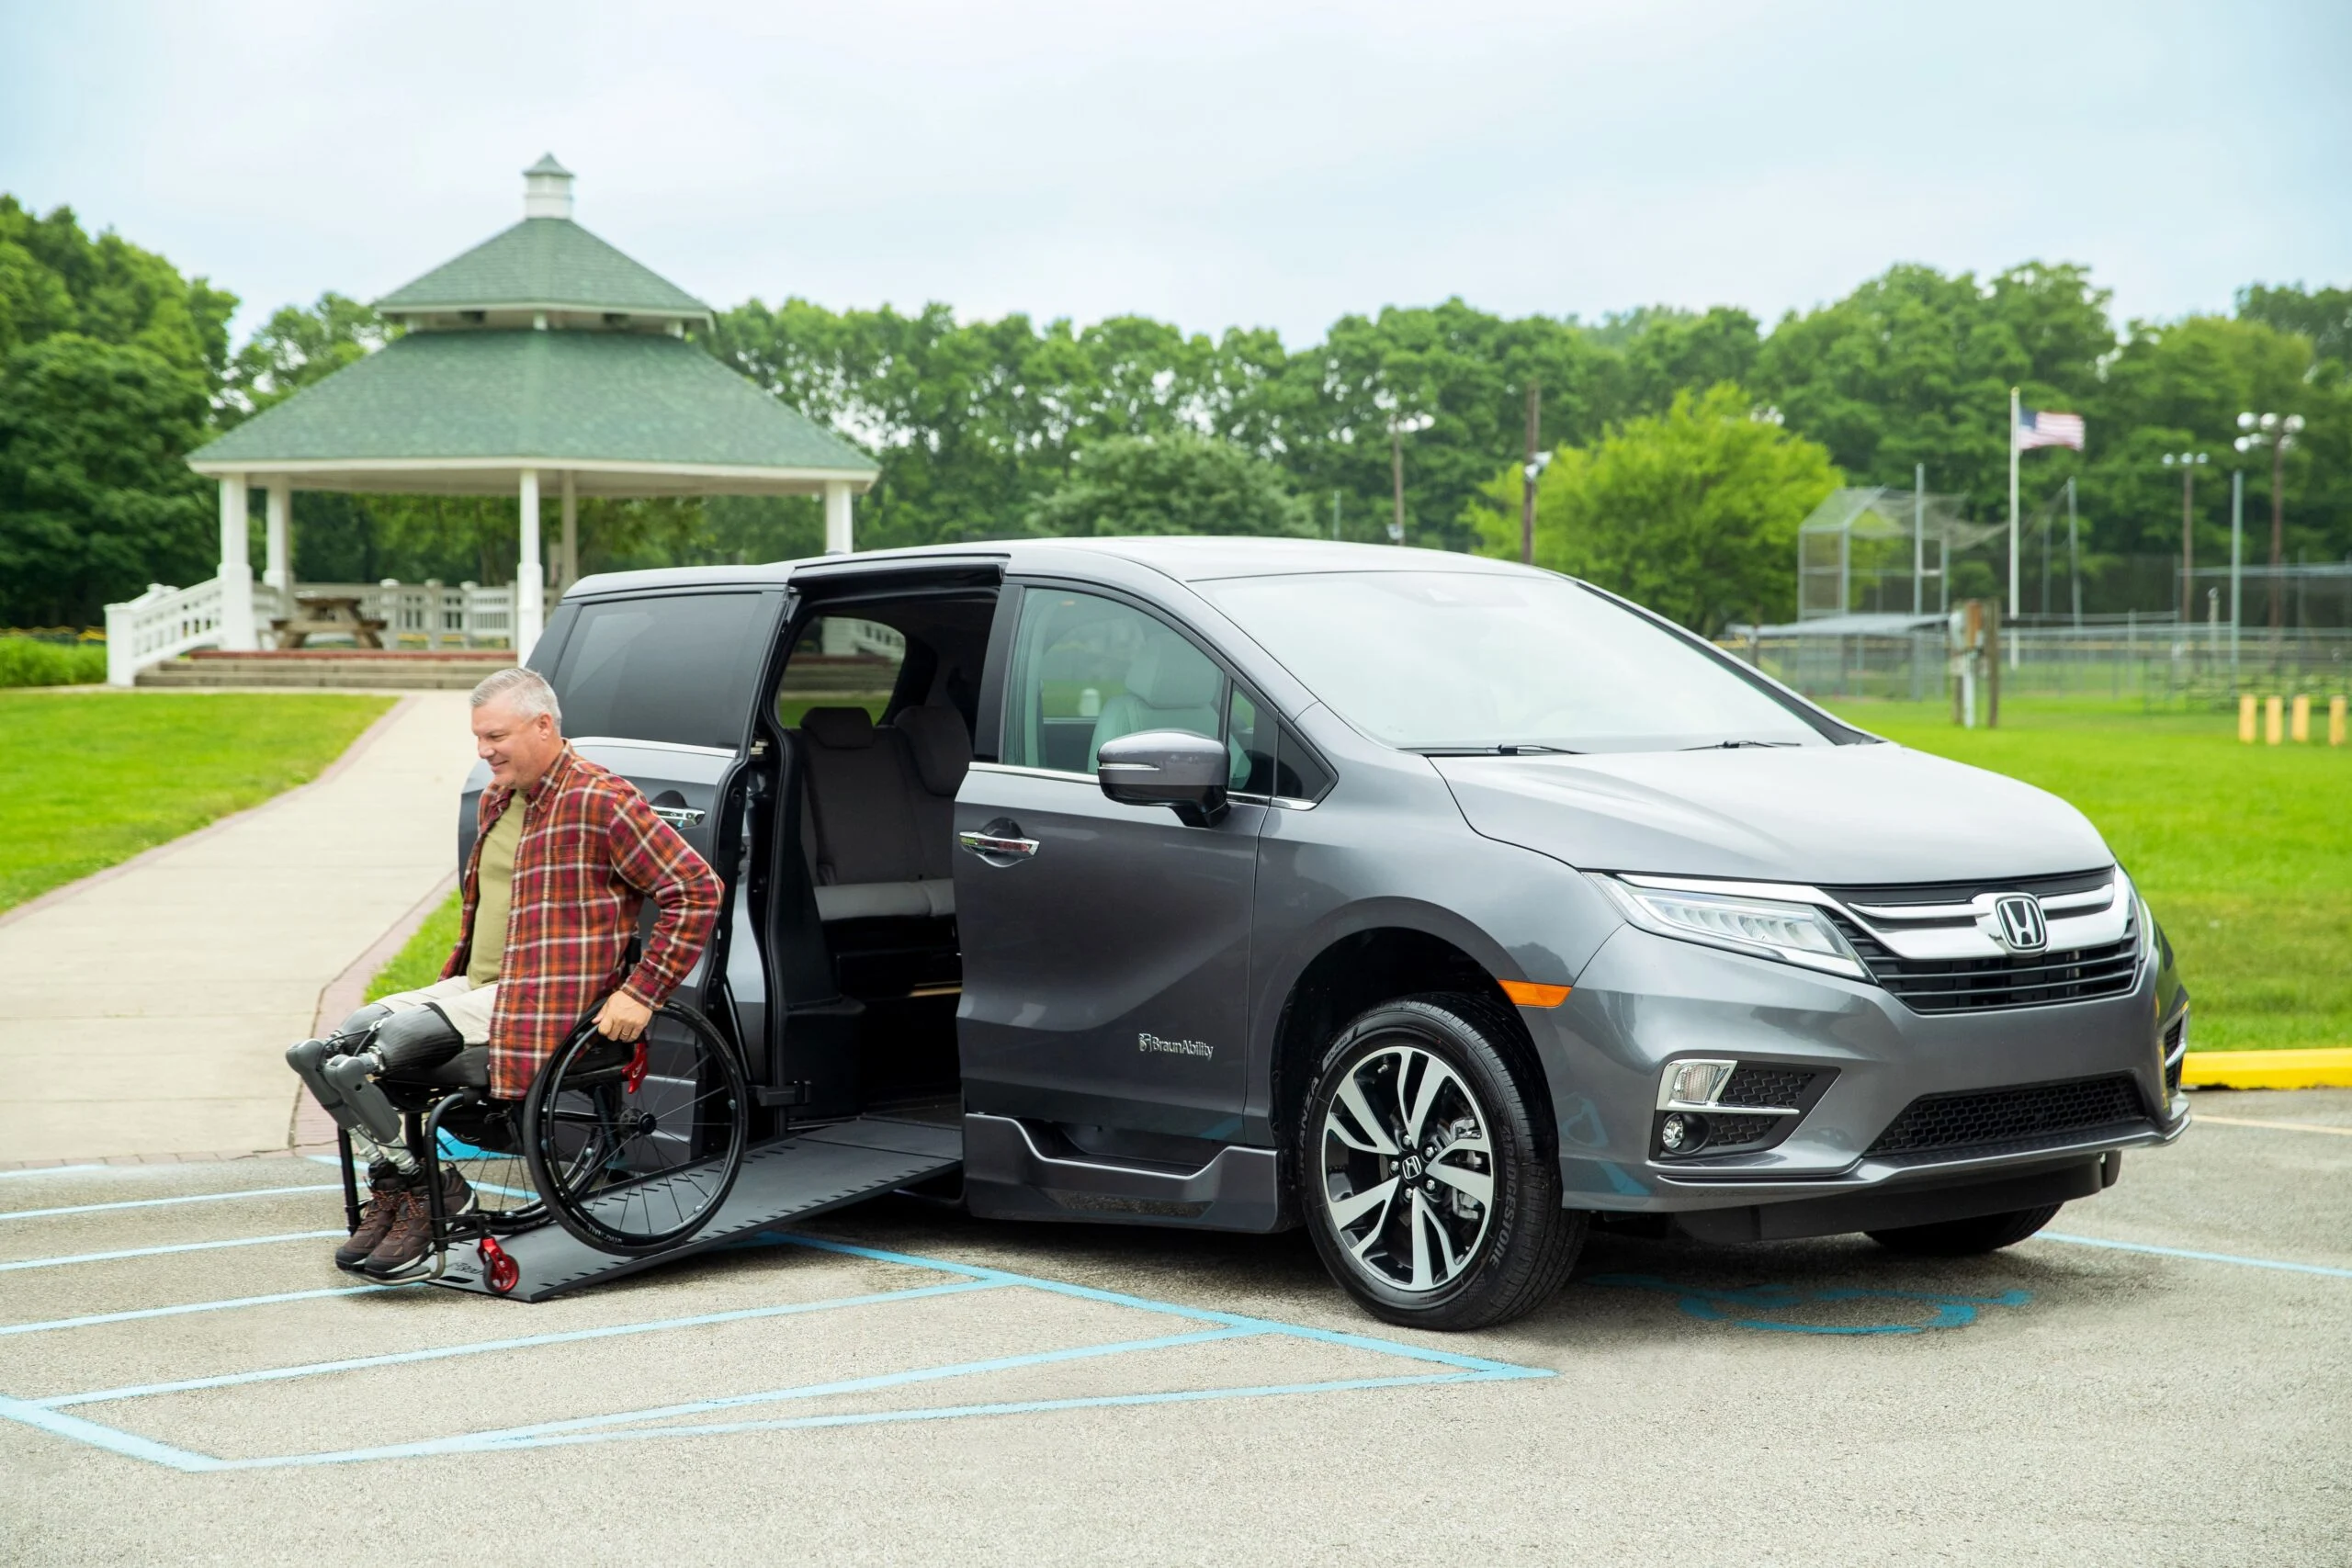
1687,443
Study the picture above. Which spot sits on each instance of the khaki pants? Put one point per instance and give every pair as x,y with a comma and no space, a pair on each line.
468,1008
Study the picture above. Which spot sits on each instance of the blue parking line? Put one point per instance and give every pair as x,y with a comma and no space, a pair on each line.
52,1170
94,1319
158,1251
159,1202
879,1418
484,1347
1205,1314
2197,1257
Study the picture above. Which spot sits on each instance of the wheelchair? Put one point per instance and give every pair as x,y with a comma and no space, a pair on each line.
631,1147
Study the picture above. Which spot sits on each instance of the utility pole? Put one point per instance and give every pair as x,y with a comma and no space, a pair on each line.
2237,562
2073,553
2013,502
2189,462
1335,514
1396,474
1535,468
1919,536
2280,432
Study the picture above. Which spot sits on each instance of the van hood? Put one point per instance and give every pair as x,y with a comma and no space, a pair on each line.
1841,815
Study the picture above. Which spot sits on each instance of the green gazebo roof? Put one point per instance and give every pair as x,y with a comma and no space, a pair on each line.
544,263
631,414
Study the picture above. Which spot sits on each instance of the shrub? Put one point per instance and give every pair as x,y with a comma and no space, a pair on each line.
24,662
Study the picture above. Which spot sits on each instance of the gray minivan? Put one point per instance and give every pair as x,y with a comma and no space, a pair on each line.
1447,907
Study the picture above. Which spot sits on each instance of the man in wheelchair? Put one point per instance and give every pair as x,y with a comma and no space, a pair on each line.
565,855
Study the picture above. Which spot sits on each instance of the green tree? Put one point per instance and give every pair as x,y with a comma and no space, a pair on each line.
96,500
1176,483
299,346
2323,315
1693,512
56,278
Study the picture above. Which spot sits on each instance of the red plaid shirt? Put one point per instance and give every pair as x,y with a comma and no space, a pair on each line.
592,852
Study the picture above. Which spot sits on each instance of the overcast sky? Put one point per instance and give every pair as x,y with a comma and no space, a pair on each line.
1214,164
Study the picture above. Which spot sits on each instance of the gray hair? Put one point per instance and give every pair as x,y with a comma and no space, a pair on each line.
526,691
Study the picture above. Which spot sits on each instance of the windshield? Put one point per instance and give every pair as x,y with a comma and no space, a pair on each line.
1438,660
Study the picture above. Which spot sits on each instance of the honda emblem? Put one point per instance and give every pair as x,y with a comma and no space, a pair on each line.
2022,928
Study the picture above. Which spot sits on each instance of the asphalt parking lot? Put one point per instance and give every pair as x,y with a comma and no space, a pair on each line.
2165,1376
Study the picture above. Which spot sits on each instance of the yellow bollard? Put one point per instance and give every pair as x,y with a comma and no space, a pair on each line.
2273,711
2336,721
2299,726
2245,718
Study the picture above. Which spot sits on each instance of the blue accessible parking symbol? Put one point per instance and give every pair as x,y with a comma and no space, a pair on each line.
1909,1312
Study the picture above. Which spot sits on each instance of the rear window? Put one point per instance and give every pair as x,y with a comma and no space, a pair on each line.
678,668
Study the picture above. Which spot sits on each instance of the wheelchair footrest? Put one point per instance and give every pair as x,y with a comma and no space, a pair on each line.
806,1172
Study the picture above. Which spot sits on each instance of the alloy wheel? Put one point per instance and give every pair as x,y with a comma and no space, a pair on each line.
1408,1171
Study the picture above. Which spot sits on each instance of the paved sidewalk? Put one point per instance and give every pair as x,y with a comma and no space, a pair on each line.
149,1008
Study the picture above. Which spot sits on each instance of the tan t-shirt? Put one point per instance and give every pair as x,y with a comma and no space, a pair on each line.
494,902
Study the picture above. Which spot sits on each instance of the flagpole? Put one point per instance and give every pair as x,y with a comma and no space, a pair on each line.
2013,503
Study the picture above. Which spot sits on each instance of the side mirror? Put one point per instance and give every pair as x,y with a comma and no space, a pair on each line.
1183,771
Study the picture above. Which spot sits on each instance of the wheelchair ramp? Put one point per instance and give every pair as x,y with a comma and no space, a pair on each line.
791,1177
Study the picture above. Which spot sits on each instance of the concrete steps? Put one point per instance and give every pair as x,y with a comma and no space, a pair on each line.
300,669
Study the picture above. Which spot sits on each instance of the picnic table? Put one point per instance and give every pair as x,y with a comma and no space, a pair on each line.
327,614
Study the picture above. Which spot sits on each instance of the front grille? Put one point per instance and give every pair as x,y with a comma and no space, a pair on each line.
1767,1085
2010,980
1948,1121
1961,892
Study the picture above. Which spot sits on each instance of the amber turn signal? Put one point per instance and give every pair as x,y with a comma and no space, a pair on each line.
1528,993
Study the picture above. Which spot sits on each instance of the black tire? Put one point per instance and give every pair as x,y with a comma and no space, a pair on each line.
636,1177
1969,1238
1460,1060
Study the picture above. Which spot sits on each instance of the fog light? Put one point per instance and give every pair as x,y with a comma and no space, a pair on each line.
1678,1133
1694,1083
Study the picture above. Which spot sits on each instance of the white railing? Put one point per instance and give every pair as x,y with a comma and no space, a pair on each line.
161,624
430,614
165,622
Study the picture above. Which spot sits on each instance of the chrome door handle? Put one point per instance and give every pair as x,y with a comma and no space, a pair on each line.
999,842
679,816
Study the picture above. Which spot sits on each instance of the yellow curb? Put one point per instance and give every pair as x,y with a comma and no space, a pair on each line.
2268,1069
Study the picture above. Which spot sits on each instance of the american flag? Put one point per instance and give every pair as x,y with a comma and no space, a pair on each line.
2044,429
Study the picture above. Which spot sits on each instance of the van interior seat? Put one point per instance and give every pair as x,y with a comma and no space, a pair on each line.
1170,685
880,818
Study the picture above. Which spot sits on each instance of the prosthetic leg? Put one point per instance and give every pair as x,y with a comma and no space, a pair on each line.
341,1071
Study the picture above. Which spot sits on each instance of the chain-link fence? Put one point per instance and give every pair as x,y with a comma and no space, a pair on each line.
2154,660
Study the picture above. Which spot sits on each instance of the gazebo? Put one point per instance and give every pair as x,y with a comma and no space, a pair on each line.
541,360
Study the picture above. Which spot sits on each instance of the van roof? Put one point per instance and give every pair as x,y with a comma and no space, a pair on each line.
1186,557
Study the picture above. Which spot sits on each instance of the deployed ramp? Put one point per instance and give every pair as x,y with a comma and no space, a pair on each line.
791,1177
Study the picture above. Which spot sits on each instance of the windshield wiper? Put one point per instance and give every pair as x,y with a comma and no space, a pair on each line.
1508,749
1735,745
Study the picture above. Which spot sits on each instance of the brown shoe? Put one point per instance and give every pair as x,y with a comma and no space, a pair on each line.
384,1190
401,1254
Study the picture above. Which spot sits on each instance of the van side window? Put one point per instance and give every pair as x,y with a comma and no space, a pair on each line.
1299,774
840,661
1087,669
675,667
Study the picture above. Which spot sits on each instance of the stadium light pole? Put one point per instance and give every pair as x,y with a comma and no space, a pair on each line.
1399,426
1536,460
2277,433
2189,463
2237,562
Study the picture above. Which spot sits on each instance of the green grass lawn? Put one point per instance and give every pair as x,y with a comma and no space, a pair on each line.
2245,852
418,962
90,779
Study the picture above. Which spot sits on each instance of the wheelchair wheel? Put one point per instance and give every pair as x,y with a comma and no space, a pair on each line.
633,1148
481,1139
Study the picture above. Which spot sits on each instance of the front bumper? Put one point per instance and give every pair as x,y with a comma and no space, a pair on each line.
1645,1000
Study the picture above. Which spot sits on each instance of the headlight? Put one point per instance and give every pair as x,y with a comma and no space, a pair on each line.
1763,928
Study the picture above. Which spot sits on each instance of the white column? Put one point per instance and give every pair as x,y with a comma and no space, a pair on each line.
568,568
236,570
530,576
837,530
277,570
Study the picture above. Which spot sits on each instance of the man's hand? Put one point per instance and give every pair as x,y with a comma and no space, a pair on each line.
623,1016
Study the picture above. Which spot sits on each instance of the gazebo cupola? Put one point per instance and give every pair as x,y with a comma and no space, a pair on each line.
542,359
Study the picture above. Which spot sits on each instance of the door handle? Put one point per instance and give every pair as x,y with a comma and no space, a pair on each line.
679,816
1001,842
